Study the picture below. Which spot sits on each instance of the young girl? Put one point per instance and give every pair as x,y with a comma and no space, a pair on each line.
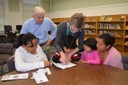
90,54
67,44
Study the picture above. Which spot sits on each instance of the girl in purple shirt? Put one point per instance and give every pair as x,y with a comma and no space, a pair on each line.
90,54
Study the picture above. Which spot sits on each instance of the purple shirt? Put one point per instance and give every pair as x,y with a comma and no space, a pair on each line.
114,58
92,57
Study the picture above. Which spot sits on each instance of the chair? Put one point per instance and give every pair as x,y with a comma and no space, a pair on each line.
11,64
6,50
7,28
125,61
11,37
18,28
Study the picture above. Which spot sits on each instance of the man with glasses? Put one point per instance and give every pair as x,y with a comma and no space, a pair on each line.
73,28
39,25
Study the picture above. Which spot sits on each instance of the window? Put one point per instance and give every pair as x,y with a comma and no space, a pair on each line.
2,15
28,7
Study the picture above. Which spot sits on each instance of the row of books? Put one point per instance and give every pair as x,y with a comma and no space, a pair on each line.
109,26
108,18
126,43
90,32
105,18
126,35
126,27
89,26
115,34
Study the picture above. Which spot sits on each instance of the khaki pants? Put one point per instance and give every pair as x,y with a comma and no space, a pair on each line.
46,51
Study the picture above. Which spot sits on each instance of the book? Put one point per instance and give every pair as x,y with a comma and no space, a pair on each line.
15,77
64,66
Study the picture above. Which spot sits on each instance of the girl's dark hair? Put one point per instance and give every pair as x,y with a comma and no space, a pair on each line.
24,39
78,20
91,42
108,39
68,42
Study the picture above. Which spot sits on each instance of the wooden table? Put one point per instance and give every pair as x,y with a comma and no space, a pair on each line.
82,74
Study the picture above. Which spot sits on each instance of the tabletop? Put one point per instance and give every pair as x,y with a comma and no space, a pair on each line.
82,74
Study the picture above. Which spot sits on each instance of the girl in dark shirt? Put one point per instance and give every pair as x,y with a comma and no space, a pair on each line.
67,44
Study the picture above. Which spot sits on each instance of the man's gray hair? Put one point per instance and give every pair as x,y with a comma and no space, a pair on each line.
38,9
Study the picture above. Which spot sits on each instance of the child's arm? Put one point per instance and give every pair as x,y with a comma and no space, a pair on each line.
83,57
84,61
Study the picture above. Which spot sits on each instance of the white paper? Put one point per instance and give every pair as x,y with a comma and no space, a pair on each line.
40,76
64,66
15,76
37,79
48,71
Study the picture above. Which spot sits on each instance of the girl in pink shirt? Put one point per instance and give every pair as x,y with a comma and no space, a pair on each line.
90,54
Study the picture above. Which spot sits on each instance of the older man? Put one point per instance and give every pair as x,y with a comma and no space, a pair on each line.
39,25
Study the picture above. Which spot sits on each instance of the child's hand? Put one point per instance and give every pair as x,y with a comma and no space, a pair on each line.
69,57
64,60
84,61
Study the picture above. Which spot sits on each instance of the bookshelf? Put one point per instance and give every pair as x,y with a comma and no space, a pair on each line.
90,26
116,25
59,20
126,35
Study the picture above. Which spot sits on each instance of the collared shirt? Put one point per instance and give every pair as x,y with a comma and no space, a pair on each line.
25,61
40,30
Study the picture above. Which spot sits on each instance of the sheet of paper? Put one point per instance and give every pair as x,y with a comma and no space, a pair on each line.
40,76
64,66
48,71
15,76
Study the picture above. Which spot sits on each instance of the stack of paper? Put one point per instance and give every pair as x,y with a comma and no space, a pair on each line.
15,77
40,76
64,66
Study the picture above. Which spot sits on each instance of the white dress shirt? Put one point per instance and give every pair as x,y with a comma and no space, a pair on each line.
25,61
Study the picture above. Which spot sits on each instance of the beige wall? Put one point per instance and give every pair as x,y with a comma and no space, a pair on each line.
65,8
59,5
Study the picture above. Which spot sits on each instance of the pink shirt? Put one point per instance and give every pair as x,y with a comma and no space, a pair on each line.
114,58
92,57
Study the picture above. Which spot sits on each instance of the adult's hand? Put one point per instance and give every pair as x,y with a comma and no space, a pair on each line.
48,42
47,63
